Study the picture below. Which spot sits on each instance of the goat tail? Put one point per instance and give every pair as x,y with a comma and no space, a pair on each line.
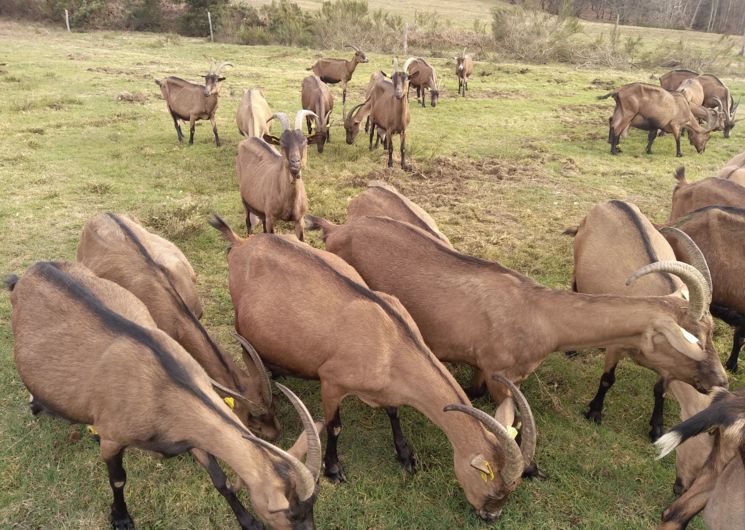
319,223
158,82
725,411
219,223
571,231
609,94
680,175
11,281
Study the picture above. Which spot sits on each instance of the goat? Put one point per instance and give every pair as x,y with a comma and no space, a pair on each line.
362,111
192,102
718,232
319,320
712,191
734,170
480,313
382,199
672,80
463,69
692,90
89,351
119,249
270,182
652,108
423,77
316,97
332,71
611,242
719,489
253,114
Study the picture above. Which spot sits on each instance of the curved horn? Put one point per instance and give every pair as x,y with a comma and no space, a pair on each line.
528,441
513,458
408,63
266,385
302,114
221,66
695,256
464,52
232,393
354,109
305,483
313,458
694,280
395,64
720,105
355,48
282,117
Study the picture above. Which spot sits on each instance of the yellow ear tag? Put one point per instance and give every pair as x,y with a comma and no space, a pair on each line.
512,432
92,430
230,401
490,475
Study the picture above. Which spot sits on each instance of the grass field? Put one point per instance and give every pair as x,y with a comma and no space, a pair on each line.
503,172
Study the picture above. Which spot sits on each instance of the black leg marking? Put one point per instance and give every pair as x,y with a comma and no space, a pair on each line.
677,146
659,408
333,469
737,341
178,127
120,518
220,481
191,136
595,412
217,138
404,452
650,140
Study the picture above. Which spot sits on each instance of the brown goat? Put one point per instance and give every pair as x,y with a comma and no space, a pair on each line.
480,313
672,80
382,199
463,69
719,231
191,102
719,489
119,249
89,352
734,170
712,191
253,114
316,97
612,241
362,111
652,108
270,182
332,71
422,76
692,90
319,320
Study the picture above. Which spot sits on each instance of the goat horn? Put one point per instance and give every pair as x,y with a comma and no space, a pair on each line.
351,112
266,385
408,63
700,296
395,64
282,117
302,114
513,458
695,256
528,439
257,409
221,66
355,48
313,458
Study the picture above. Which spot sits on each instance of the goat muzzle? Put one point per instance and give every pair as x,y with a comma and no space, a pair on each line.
488,516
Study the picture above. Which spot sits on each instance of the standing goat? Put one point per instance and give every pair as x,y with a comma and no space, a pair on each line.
270,182
310,315
719,489
362,111
423,77
253,114
316,97
480,313
89,352
712,191
334,71
672,80
652,108
119,249
191,102
463,69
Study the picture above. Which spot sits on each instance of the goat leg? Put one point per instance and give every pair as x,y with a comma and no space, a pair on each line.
737,341
478,385
402,134
220,481
299,233
113,455
390,149
595,411
650,140
192,124
178,127
655,421
332,467
214,130
268,222
404,452
678,152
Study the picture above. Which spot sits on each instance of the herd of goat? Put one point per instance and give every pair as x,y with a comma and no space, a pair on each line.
115,340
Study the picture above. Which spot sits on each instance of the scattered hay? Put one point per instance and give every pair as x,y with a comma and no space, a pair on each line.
133,97
180,220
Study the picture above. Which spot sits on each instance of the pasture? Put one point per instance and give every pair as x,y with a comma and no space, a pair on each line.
503,172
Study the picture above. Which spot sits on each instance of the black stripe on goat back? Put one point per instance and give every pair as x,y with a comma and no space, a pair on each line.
633,216
54,273
734,210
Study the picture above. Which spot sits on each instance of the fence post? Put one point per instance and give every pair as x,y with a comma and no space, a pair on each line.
209,19
406,38
67,19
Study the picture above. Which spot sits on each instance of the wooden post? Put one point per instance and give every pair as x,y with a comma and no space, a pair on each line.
406,38
67,19
209,19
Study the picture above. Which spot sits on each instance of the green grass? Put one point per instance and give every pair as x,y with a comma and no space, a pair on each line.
503,171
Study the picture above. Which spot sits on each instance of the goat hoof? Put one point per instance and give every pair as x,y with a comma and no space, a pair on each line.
122,523
34,407
335,474
595,416
408,462
732,367
655,432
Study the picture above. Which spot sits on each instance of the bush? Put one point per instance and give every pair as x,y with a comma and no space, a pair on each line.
534,36
194,21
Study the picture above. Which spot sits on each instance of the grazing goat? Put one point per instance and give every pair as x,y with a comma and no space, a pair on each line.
719,489
463,69
191,102
692,90
270,182
334,71
382,199
119,249
480,313
612,241
712,191
672,80
89,352
422,76
316,97
319,320
359,112
734,170
719,231
253,114
652,108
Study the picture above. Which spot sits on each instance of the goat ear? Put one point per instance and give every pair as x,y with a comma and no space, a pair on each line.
482,464
277,503
221,79
268,138
677,337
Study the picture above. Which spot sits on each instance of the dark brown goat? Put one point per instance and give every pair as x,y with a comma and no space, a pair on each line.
422,76
191,102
